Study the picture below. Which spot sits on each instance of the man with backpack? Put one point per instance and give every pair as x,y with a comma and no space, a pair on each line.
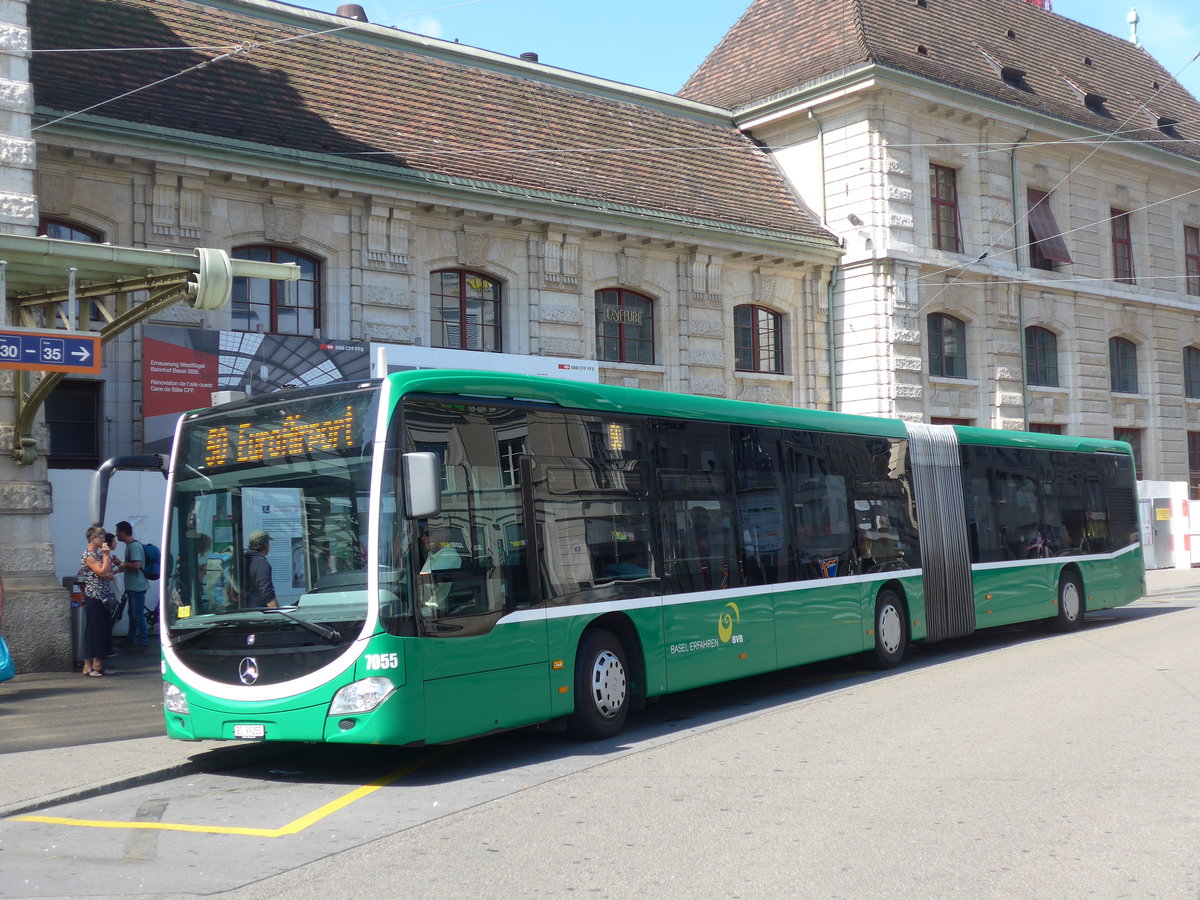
136,584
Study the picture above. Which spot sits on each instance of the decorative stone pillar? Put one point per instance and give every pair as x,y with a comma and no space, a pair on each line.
36,609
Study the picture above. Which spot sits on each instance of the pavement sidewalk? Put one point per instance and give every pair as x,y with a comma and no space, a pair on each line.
65,737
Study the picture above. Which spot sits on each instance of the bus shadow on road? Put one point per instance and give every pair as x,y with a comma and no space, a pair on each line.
664,719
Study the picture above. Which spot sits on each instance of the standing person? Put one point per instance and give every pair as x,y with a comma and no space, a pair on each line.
97,587
260,589
135,587
111,606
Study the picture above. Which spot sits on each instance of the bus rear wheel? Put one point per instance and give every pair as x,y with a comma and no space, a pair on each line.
1070,602
601,687
891,637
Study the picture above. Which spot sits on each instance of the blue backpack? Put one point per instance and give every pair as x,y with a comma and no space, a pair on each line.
152,566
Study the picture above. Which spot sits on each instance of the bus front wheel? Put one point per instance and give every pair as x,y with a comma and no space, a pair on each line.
1070,602
891,637
601,687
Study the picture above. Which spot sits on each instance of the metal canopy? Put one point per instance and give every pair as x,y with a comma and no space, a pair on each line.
45,278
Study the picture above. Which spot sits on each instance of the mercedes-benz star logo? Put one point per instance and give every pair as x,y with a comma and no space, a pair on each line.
248,670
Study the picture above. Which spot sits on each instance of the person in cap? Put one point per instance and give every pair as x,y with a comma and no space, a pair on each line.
260,589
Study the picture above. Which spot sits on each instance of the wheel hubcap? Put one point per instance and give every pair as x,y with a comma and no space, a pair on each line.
608,684
1069,601
890,629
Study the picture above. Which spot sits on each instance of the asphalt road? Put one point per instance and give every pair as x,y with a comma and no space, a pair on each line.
1010,764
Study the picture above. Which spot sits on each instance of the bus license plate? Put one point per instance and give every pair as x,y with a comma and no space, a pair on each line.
249,732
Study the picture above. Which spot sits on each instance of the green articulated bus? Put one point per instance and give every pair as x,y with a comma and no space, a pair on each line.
454,553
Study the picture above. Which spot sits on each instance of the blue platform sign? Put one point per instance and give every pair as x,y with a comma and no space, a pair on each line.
50,351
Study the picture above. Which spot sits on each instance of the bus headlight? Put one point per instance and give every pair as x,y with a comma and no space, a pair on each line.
361,696
173,699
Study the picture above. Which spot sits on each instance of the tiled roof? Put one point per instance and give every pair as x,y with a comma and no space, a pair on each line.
781,45
378,95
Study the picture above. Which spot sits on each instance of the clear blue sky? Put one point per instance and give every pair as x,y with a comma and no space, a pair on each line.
658,43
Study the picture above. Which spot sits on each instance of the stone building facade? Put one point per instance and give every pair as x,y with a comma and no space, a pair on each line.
948,307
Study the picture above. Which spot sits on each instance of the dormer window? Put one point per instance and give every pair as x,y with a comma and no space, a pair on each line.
1095,102
1014,77
1092,99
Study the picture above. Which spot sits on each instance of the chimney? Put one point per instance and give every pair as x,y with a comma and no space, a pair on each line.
352,11
529,56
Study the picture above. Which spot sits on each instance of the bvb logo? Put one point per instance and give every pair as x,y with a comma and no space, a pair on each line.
729,617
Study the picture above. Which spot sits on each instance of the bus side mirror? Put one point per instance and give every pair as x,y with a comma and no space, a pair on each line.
422,474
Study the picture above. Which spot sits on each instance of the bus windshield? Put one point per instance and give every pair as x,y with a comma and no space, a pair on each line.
268,521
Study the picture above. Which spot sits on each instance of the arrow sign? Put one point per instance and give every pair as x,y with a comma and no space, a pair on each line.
50,351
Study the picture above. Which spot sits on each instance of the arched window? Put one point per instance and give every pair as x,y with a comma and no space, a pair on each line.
1191,373
278,307
1122,364
757,339
624,327
947,346
464,310
67,231
1041,357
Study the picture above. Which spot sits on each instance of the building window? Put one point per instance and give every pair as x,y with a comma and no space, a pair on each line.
1122,365
510,451
1133,437
949,420
1191,373
1193,444
1191,259
465,310
1045,428
277,307
73,420
1122,244
947,346
66,231
1041,357
757,339
624,327
943,199
1046,246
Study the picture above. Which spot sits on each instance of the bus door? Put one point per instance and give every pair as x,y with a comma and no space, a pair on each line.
719,622
483,652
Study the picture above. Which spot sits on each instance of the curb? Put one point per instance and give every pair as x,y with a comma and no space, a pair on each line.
216,760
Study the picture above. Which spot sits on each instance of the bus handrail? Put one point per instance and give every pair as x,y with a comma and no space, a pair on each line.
98,496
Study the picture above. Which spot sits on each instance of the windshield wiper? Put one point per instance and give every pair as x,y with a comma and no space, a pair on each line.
199,632
316,628
321,631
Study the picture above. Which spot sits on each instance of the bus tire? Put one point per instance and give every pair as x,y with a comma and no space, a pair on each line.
1070,602
601,687
891,637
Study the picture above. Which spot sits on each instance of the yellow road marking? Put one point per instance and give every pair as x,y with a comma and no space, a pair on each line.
293,827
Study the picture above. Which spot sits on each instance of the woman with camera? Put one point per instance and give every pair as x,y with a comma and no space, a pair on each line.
97,588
